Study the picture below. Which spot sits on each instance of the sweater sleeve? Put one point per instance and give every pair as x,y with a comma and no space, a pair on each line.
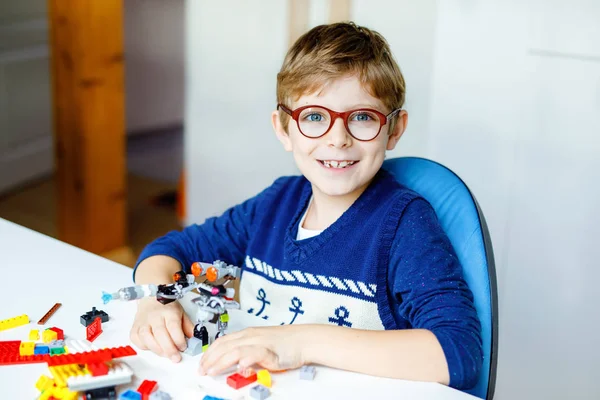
218,238
427,286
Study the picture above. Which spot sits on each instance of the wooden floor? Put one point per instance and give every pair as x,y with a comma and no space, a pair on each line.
35,207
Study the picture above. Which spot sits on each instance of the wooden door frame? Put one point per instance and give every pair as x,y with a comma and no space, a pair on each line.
88,102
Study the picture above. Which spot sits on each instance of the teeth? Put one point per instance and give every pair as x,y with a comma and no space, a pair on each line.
337,164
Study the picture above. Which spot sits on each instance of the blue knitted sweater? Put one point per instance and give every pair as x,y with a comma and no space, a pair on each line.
384,264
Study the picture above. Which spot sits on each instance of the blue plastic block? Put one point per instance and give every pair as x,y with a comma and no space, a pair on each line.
207,397
41,349
130,395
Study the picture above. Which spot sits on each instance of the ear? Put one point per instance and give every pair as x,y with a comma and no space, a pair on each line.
280,131
399,128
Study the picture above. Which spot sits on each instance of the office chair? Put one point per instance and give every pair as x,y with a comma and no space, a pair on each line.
462,219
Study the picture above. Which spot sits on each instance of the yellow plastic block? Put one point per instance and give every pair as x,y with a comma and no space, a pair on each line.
224,317
49,336
58,393
44,383
34,334
64,394
14,322
264,377
26,348
63,372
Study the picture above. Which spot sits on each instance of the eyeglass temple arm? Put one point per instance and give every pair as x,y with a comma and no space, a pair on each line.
393,113
284,108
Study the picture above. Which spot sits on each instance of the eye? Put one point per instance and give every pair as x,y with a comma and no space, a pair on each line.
362,117
314,117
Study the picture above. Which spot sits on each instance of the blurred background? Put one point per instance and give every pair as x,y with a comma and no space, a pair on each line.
123,119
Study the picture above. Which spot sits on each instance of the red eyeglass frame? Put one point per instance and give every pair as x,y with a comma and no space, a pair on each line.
383,119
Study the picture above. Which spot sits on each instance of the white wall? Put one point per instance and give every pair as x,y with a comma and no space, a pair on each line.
505,92
154,69
515,112
26,148
234,51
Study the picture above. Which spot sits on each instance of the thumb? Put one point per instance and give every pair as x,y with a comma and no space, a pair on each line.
188,326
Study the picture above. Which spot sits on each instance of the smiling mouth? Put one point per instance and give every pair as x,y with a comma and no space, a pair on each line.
337,164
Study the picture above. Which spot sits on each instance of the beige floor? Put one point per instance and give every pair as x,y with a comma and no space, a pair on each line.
35,207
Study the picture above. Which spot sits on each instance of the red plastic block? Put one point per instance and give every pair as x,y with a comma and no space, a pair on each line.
146,388
59,333
237,381
9,354
97,369
94,329
91,357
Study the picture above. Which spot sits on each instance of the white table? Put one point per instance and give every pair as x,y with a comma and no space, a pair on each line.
37,271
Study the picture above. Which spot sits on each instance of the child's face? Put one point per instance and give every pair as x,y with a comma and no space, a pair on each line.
363,158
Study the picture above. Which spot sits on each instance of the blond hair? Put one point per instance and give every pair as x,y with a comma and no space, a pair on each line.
328,52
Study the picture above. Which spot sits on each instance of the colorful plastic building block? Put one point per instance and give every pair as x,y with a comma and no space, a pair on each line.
207,397
259,392
93,330
14,322
26,348
41,349
50,312
146,388
107,392
130,395
307,372
9,354
90,316
49,336
44,383
118,374
57,350
97,369
56,343
159,395
238,381
264,377
59,333
34,334
90,357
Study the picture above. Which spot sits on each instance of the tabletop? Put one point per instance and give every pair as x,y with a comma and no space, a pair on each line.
37,271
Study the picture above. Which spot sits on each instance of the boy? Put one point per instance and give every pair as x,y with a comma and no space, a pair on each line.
342,260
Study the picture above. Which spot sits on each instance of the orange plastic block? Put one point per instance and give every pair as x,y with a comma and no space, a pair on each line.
14,322
238,381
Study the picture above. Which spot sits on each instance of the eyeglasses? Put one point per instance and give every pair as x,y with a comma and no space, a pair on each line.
363,124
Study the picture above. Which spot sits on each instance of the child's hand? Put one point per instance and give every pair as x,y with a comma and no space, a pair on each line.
161,328
274,348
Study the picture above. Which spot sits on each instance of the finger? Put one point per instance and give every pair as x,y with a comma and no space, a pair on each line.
254,355
166,342
147,337
135,338
219,348
175,331
262,357
188,326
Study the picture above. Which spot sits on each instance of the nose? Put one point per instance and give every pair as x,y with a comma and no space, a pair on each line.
338,136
